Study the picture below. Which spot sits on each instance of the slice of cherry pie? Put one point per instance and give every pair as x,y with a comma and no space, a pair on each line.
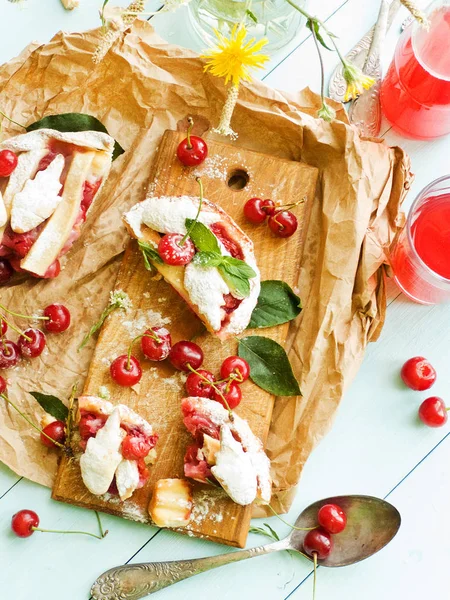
44,201
117,445
224,310
225,451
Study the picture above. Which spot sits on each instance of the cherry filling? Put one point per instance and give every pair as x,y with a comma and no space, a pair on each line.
233,247
16,246
195,467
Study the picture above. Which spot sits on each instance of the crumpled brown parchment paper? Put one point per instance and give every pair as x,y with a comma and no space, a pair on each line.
143,87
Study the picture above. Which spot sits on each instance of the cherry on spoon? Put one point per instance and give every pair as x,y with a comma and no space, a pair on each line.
371,524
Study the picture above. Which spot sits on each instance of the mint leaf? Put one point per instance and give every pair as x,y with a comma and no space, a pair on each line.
74,122
203,238
277,304
238,267
238,285
52,405
150,254
270,368
207,259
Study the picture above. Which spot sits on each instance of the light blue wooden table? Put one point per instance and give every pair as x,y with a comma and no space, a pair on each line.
376,445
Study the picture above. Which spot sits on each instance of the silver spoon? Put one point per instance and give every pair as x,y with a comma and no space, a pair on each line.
371,524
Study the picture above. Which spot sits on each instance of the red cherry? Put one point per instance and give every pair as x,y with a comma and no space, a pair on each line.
8,162
2,385
256,210
53,271
418,374
23,523
33,347
231,391
235,367
433,412
124,374
59,318
3,327
9,354
318,541
284,223
332,518
57,431
195,154
197,386
185,354
159,348
136,446
6,271
173,252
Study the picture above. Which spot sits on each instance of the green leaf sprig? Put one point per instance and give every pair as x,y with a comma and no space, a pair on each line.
117,300
277,304
236,273
269,364
150,254
52,405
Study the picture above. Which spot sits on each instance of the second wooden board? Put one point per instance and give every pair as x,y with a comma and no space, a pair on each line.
230,176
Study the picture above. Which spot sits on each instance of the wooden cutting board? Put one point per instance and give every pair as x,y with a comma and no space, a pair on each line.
230,176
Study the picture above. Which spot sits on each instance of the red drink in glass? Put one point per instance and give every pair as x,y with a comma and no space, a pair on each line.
415,94
421,256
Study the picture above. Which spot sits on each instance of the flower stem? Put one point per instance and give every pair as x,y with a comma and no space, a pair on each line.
62,531
224,127
286,523
31,422
322,69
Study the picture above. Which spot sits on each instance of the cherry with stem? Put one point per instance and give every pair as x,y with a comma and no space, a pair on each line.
216,389
56,443
14,328
20,316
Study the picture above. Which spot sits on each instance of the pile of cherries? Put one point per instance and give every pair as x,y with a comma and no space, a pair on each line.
282,222
332,520
156,345
419,374
31,342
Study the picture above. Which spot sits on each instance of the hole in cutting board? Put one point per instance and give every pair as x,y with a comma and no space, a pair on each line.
238,179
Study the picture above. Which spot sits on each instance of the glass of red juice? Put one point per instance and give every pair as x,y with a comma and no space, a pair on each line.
415,94
421,255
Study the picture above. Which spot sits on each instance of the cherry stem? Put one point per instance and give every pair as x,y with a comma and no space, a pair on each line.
98,537
100,526
14,314
315,575
286,523
11,120
14,328
288,206
138,337
188,232
31,422
212,384
189,130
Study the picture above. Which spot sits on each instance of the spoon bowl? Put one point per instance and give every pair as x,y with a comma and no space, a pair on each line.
371,524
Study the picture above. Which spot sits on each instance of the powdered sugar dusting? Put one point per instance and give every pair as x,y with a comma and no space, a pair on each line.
214,167
143,319
204,504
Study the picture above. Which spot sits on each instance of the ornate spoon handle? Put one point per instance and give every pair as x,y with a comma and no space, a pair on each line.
131,582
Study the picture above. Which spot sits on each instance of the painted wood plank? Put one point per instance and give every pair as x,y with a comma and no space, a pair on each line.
7,479
412,564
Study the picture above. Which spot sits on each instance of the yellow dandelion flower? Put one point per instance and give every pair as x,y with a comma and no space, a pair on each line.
233,57
356,80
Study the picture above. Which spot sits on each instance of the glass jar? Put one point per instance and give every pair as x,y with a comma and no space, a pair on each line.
275,19
415,94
